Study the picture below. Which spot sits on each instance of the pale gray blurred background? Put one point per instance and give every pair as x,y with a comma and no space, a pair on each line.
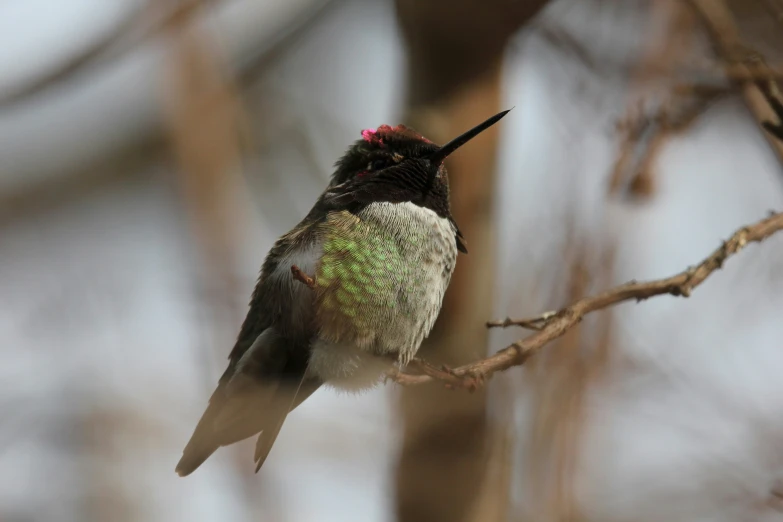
151,152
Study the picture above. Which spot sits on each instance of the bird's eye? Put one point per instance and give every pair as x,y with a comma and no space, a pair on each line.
378,164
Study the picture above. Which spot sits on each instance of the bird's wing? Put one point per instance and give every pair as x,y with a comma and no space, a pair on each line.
265,378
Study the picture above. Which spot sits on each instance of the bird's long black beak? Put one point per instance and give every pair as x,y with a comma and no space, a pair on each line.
439,155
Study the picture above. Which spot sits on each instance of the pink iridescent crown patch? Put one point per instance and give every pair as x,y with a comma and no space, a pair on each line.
377,136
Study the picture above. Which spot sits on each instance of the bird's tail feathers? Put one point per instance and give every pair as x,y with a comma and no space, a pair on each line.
225,421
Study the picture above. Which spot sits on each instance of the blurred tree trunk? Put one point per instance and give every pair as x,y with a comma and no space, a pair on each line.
455,52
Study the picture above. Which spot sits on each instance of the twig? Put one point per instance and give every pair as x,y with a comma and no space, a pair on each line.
645,137
303,278
718,19
776,129
559,323
532,323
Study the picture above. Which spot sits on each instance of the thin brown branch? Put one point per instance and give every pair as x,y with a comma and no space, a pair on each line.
741,74
645,136
126,36
303,278
719,22
532,323
559,323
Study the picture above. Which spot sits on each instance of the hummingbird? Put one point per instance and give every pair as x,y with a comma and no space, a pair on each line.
346,295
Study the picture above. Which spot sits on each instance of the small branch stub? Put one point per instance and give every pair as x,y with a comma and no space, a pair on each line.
532,323
303,278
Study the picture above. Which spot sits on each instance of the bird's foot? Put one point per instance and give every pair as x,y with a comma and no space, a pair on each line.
452,379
